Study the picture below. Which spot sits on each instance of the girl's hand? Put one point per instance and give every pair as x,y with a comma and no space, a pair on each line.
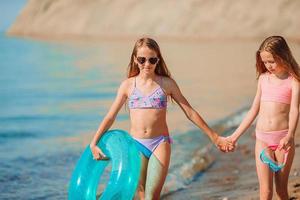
286,143
232,139
97,153
224,144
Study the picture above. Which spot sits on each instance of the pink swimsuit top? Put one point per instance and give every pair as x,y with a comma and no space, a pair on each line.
281,93
157,99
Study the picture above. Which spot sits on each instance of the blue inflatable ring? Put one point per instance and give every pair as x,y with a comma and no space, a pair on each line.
119,146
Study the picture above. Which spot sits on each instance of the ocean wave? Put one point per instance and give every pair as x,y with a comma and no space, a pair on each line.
92,95
18,135
29,118
43,117
180,176
178,179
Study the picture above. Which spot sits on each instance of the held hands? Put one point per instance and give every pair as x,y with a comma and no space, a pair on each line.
232,139
286,143
224,144
97,153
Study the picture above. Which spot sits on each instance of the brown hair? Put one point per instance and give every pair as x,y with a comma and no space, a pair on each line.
161,67
278,47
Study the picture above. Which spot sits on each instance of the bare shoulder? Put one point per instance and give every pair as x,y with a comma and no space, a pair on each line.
126,85
127,82
168,82
295,83
262,76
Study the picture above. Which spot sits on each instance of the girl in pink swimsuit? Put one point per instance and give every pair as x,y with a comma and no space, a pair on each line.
277,103
146,89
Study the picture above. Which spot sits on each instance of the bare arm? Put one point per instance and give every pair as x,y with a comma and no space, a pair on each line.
286,142
112,113
251,115
190,113
294,109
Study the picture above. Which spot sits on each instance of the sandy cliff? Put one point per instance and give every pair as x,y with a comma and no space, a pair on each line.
169,18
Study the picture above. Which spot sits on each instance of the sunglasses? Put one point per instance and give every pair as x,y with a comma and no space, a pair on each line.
152,60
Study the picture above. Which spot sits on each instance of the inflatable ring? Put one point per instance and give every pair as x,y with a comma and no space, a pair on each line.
120,148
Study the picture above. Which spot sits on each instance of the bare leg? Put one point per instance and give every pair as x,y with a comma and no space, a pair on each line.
264,173
142,181
281,177
158,166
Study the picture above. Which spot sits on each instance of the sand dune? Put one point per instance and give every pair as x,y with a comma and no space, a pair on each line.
178,19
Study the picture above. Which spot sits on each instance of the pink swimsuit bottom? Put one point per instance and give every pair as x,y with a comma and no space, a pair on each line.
271,138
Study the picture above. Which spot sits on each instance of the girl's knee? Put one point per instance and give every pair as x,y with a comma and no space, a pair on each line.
152,193
266,193
152,196
265,196
282,192
281,189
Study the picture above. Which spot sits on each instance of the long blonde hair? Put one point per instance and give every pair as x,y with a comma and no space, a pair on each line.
161,67
278,47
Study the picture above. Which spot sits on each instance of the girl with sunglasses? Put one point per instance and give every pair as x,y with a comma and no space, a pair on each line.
147,89
277,103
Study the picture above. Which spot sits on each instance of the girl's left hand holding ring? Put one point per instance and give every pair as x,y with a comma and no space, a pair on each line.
286,143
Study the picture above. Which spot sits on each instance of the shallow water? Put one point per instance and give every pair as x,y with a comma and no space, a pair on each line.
47,100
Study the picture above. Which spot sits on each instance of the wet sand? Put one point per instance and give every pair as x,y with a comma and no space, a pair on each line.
233,175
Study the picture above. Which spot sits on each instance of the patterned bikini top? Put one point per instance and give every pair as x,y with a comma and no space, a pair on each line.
156,100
